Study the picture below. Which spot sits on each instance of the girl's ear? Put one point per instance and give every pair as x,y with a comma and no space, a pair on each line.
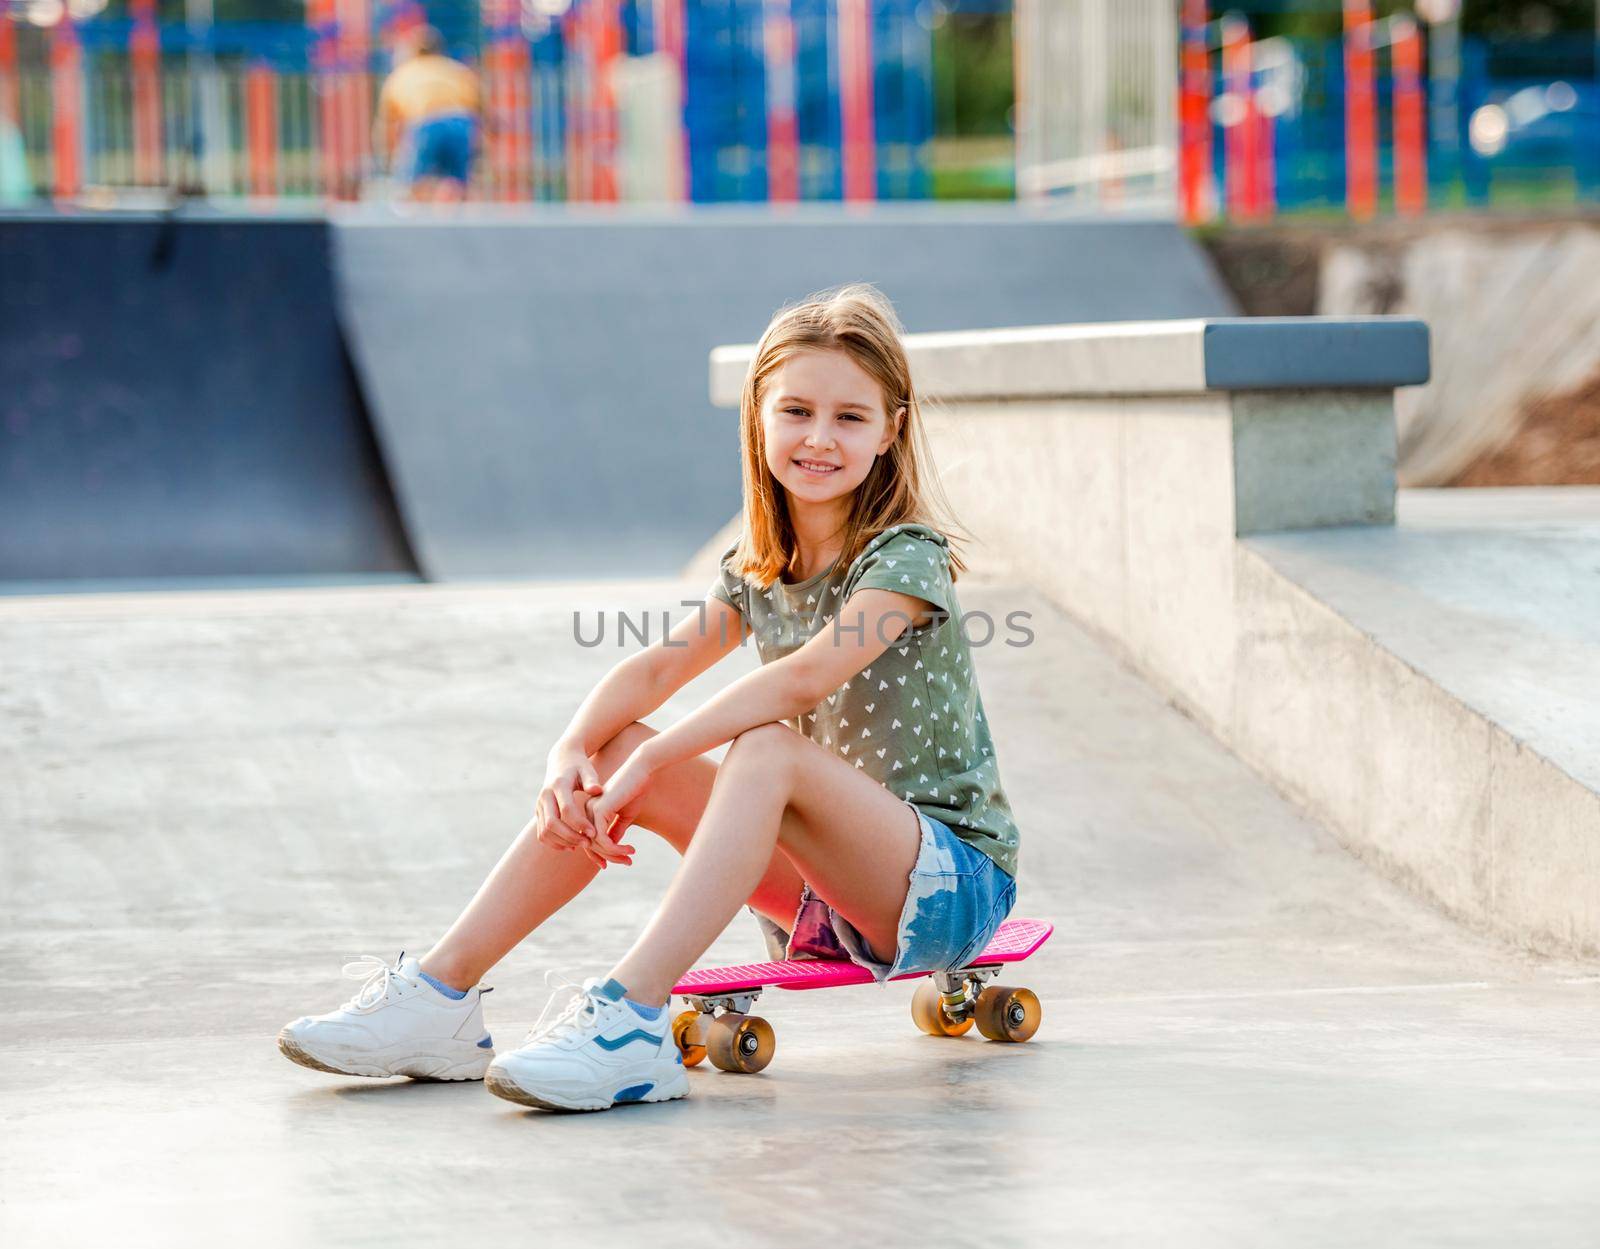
894,428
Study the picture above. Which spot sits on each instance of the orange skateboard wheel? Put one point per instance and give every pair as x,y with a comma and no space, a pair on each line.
927,1012
1007,1014
740,1043
689,1037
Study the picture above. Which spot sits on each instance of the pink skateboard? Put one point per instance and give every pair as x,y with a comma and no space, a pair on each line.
947,1003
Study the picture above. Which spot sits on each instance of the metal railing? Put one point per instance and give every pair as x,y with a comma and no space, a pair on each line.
1096,104
576,109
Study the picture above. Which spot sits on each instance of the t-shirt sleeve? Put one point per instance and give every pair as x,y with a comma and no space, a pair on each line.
911,561
728,586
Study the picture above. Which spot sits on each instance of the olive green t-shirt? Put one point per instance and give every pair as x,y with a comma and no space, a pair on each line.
913,719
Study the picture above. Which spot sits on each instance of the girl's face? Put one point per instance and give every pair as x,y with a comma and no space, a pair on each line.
825,425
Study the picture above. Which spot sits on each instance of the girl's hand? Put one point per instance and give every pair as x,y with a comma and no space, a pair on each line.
560,814
613,813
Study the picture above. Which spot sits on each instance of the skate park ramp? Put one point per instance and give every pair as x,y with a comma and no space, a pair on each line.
213,800
538,382
175,402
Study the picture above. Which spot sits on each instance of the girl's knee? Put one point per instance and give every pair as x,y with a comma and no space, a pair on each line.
611,756
771,744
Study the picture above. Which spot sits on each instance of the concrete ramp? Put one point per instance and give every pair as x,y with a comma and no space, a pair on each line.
538,381
175,402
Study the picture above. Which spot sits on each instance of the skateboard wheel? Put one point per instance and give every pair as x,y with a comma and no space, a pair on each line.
689,1037
927,1012
1007,1014
742,1043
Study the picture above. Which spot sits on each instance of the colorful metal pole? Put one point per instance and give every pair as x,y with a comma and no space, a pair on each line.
354,34
144,55
66,105
1241,138
1266,158
523,104
1024,27
1196,196
320,18
607,45
261,127
1444,79
1361,109
210,140
10,93
494,15
507,67
574,38
783,120
669,31
1410,120
855,100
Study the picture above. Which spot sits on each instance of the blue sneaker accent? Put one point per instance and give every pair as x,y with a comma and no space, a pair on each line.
633,1093
487,1043
615,991
627,1038
453,994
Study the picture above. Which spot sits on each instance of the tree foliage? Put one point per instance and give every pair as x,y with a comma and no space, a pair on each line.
972,75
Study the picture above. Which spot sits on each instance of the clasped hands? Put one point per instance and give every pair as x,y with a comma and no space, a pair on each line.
575,811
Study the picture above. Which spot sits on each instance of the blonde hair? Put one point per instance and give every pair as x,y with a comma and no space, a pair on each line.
902,485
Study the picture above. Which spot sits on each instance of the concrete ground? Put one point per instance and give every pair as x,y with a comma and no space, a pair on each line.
209,801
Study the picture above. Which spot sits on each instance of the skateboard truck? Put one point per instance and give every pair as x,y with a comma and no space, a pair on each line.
740,1003
959,990
721,1027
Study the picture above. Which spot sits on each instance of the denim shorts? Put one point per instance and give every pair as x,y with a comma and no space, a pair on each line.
958,897
441,147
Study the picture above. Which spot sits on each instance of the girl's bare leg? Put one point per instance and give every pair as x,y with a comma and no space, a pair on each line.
533,881
842,831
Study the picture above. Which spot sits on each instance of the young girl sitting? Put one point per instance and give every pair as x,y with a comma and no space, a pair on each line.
858,809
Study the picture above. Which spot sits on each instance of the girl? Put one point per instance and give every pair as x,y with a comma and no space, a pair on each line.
857,811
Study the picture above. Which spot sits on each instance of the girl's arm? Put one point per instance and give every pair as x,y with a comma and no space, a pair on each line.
864,628
644,680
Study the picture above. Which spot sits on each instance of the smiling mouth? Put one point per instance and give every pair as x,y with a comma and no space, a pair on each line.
817,466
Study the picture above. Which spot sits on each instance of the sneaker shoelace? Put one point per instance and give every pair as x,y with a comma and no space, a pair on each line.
572,1006
377,976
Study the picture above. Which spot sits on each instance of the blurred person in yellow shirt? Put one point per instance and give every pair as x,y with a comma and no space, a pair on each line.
429,117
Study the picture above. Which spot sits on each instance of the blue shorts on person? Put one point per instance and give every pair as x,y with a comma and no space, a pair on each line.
441,147
958,898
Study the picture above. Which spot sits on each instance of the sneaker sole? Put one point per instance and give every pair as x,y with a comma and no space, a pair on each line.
502,1085
295,1052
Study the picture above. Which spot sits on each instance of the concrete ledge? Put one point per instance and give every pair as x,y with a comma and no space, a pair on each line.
1148,357
1116,468
1447,799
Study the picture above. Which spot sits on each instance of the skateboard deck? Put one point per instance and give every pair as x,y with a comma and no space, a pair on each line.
1012,942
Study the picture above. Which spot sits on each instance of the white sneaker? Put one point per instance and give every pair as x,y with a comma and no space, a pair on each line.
396,1025
596,1053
